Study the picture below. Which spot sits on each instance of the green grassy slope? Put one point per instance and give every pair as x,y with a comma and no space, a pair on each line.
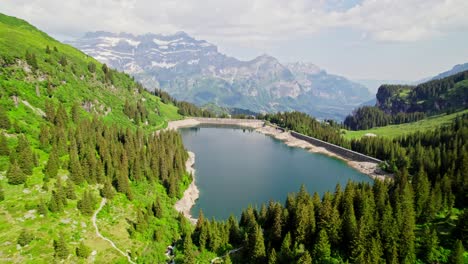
392,131
25,89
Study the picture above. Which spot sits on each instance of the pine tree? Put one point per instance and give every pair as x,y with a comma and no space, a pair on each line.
4,120
158,208
108,190
457,253
55,203
322,249
272,259
421,185
63,61
60,247
188,250
2,193
4,149
430,244
25,155
15,175
70,190
25,237
83,251
91,67
87,203
52,166
305,258
257,246
407,250
286,253
42,208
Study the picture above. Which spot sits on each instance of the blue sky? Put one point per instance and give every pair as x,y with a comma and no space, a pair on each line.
372,39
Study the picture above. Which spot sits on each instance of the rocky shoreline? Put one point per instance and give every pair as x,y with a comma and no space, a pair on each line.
191,194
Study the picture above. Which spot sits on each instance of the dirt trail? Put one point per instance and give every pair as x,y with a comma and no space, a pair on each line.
103,202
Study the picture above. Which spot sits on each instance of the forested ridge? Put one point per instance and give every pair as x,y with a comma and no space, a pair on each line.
397,104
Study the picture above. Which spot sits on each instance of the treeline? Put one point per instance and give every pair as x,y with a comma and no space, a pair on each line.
360,224
307,125
397,104
367,117
185,108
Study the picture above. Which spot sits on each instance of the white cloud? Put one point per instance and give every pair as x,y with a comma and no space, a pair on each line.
246,21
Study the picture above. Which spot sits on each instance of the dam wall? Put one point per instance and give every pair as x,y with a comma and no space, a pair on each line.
253,123
349,154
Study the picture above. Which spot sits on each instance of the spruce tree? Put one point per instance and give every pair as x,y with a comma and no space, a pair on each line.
108,190
272,259
322,249
25,237
70,190
430,244
87,203
286,253
83,251
188,250
305,258
52,166
456,257
2,193
15,175
25,155
257,246
60,247
158,208
4,120
4,149
42,208
407,238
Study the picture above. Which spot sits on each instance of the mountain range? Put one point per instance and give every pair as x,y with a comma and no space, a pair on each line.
195,71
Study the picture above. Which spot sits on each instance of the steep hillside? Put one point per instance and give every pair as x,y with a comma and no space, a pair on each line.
74,135
194,70
398,104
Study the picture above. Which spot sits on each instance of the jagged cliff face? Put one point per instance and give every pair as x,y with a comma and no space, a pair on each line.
195,71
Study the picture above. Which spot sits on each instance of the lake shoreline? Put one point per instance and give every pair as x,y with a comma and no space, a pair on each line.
190,196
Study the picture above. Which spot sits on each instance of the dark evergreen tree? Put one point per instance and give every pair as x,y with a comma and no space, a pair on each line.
4,120
188,250
15,175
60,247
83,251
52,166
456,257
322,249
305,258
4,149
2,193
272,259
25,237
70,190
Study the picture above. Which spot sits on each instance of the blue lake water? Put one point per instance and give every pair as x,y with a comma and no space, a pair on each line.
237,167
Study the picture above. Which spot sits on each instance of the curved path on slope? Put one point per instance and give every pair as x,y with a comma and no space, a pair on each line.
103,202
